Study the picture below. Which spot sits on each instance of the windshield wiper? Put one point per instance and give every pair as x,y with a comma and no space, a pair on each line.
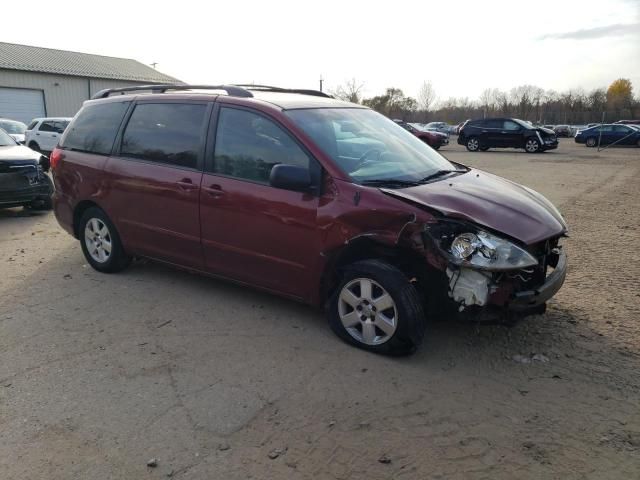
440,173
390,182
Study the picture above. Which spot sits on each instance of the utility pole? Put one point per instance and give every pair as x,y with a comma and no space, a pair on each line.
321,80
154,64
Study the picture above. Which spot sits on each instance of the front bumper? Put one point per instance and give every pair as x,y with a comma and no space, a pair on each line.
528,299
17,195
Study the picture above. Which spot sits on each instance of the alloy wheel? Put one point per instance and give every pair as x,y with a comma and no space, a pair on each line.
473,144
367,311
97,239
532,145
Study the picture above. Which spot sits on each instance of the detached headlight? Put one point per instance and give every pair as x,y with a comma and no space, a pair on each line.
485,251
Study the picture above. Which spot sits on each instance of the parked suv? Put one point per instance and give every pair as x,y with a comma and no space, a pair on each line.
505,133
23,181
262,186
42,134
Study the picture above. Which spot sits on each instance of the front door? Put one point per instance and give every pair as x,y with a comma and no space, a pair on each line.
511,134
251,231
155,181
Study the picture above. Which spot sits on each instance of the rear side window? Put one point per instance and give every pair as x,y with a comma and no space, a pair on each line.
47,127
94,129
249,145
165,133
493,124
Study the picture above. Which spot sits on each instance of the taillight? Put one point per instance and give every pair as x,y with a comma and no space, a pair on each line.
55,158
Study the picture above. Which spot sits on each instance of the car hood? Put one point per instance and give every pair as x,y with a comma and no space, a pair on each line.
548,131
18,152
490,201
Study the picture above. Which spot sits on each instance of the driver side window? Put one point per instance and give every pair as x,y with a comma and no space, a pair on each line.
249,145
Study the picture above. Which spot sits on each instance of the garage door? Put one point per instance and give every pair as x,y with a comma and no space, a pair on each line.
21,104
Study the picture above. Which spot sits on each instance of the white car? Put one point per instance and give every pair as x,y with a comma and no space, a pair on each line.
43,134
14,128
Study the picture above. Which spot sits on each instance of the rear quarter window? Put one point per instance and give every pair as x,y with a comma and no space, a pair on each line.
95,127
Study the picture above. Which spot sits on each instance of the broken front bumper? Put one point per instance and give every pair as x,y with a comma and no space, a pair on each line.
20,189
527,299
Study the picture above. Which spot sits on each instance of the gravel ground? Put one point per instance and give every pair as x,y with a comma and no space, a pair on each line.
101,373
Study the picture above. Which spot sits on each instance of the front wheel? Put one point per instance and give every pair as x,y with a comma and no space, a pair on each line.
473,144
532,145
376,308
591,142
101,243
35,147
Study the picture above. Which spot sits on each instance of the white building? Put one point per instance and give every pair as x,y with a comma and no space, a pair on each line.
42,82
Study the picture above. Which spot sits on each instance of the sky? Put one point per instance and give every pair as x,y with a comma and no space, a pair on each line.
460,46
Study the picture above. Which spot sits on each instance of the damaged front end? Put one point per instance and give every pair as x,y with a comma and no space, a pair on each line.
490,274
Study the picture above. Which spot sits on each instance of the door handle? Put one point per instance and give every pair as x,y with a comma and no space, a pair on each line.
186,184
37,134
214,190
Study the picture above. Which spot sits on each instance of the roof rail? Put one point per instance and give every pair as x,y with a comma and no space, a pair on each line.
269,88
233,90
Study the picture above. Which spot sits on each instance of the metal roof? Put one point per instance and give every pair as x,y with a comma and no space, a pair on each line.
62,62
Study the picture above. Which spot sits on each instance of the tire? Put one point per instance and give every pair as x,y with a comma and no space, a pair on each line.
35,147
591,142
484,149
638,143
96,231
403,320
472,144
532,145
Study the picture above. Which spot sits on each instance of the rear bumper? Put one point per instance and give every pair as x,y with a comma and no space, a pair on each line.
529,299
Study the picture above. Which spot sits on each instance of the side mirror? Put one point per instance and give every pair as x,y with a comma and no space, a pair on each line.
290,177
44,163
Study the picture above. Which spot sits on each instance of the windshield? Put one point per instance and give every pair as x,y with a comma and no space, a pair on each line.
368,146
5,139
13,127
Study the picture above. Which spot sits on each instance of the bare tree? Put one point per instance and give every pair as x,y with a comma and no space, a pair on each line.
350,91
426,96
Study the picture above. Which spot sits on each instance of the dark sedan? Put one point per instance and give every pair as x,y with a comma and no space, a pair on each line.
609,134
23,181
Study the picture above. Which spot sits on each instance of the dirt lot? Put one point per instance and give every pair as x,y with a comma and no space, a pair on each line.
100,373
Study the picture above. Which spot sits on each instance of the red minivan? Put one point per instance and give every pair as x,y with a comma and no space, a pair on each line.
308,197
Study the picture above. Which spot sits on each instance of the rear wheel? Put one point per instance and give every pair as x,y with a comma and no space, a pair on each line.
376,308
101,243
473,144
532,145
591,142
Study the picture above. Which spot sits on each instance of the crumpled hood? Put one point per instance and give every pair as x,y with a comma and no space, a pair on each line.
18,152
490,201
547,131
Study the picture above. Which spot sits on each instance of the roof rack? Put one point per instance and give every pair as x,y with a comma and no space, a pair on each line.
233,90
269,88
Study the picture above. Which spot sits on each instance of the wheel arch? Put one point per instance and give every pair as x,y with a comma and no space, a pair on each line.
78,211
410,262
